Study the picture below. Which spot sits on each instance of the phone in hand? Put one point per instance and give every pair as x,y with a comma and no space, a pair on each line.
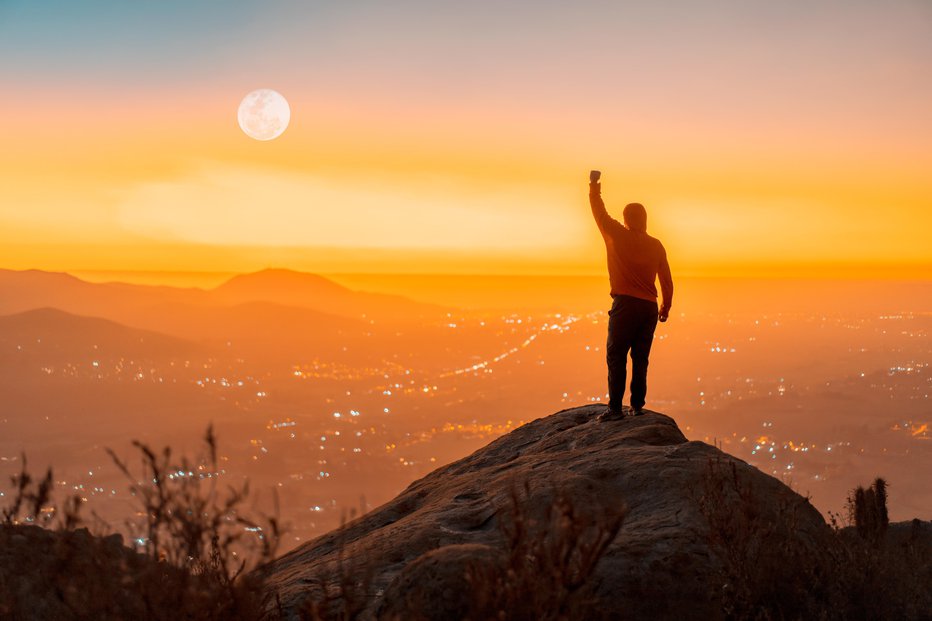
594,175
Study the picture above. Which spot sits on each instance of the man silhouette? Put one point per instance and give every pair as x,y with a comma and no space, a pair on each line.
635,261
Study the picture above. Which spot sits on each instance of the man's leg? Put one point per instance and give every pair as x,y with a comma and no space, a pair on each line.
640,351
616,352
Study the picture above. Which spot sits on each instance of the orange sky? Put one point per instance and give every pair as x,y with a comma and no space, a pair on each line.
425,141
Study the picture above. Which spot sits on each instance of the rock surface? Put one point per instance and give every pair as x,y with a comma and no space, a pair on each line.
678,497
47,574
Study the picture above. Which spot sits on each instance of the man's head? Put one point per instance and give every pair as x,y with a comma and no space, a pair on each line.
635,217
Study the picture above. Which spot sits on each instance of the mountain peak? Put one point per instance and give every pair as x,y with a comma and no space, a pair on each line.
280,277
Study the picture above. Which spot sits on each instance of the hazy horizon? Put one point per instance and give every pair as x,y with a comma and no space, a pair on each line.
589,292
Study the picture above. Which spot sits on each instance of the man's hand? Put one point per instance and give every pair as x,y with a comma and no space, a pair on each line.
663,314
594,176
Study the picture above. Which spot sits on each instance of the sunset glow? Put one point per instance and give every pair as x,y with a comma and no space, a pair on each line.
788,139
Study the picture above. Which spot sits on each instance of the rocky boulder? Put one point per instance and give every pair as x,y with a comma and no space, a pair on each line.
567,516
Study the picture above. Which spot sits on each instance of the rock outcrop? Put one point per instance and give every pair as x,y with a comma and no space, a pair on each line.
689,514
65,575
47,574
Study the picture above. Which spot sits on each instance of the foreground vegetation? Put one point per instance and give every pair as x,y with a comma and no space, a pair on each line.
193,548
868,570
197,548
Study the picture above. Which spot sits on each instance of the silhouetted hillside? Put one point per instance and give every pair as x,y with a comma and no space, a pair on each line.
143,305
271,284
292,288
52,335
30,289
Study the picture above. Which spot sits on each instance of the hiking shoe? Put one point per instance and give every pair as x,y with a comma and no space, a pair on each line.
608,415
637,411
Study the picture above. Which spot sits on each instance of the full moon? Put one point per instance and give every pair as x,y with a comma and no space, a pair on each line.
264,114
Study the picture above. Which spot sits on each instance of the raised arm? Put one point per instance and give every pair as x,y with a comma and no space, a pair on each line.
605,221
666,286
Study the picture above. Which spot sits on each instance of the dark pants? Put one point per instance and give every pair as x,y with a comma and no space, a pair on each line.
631,324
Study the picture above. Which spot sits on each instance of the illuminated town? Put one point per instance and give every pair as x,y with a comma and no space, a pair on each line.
338,434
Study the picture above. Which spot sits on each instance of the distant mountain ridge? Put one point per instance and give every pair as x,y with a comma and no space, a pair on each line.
273,295
270,282
58,335
31,289
291,288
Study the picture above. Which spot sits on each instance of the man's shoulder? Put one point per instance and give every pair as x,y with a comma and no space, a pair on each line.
655,241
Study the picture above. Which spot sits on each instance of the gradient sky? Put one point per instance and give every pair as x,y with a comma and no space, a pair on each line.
764,137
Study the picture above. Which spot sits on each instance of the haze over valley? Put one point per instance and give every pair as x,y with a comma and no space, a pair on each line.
338,395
